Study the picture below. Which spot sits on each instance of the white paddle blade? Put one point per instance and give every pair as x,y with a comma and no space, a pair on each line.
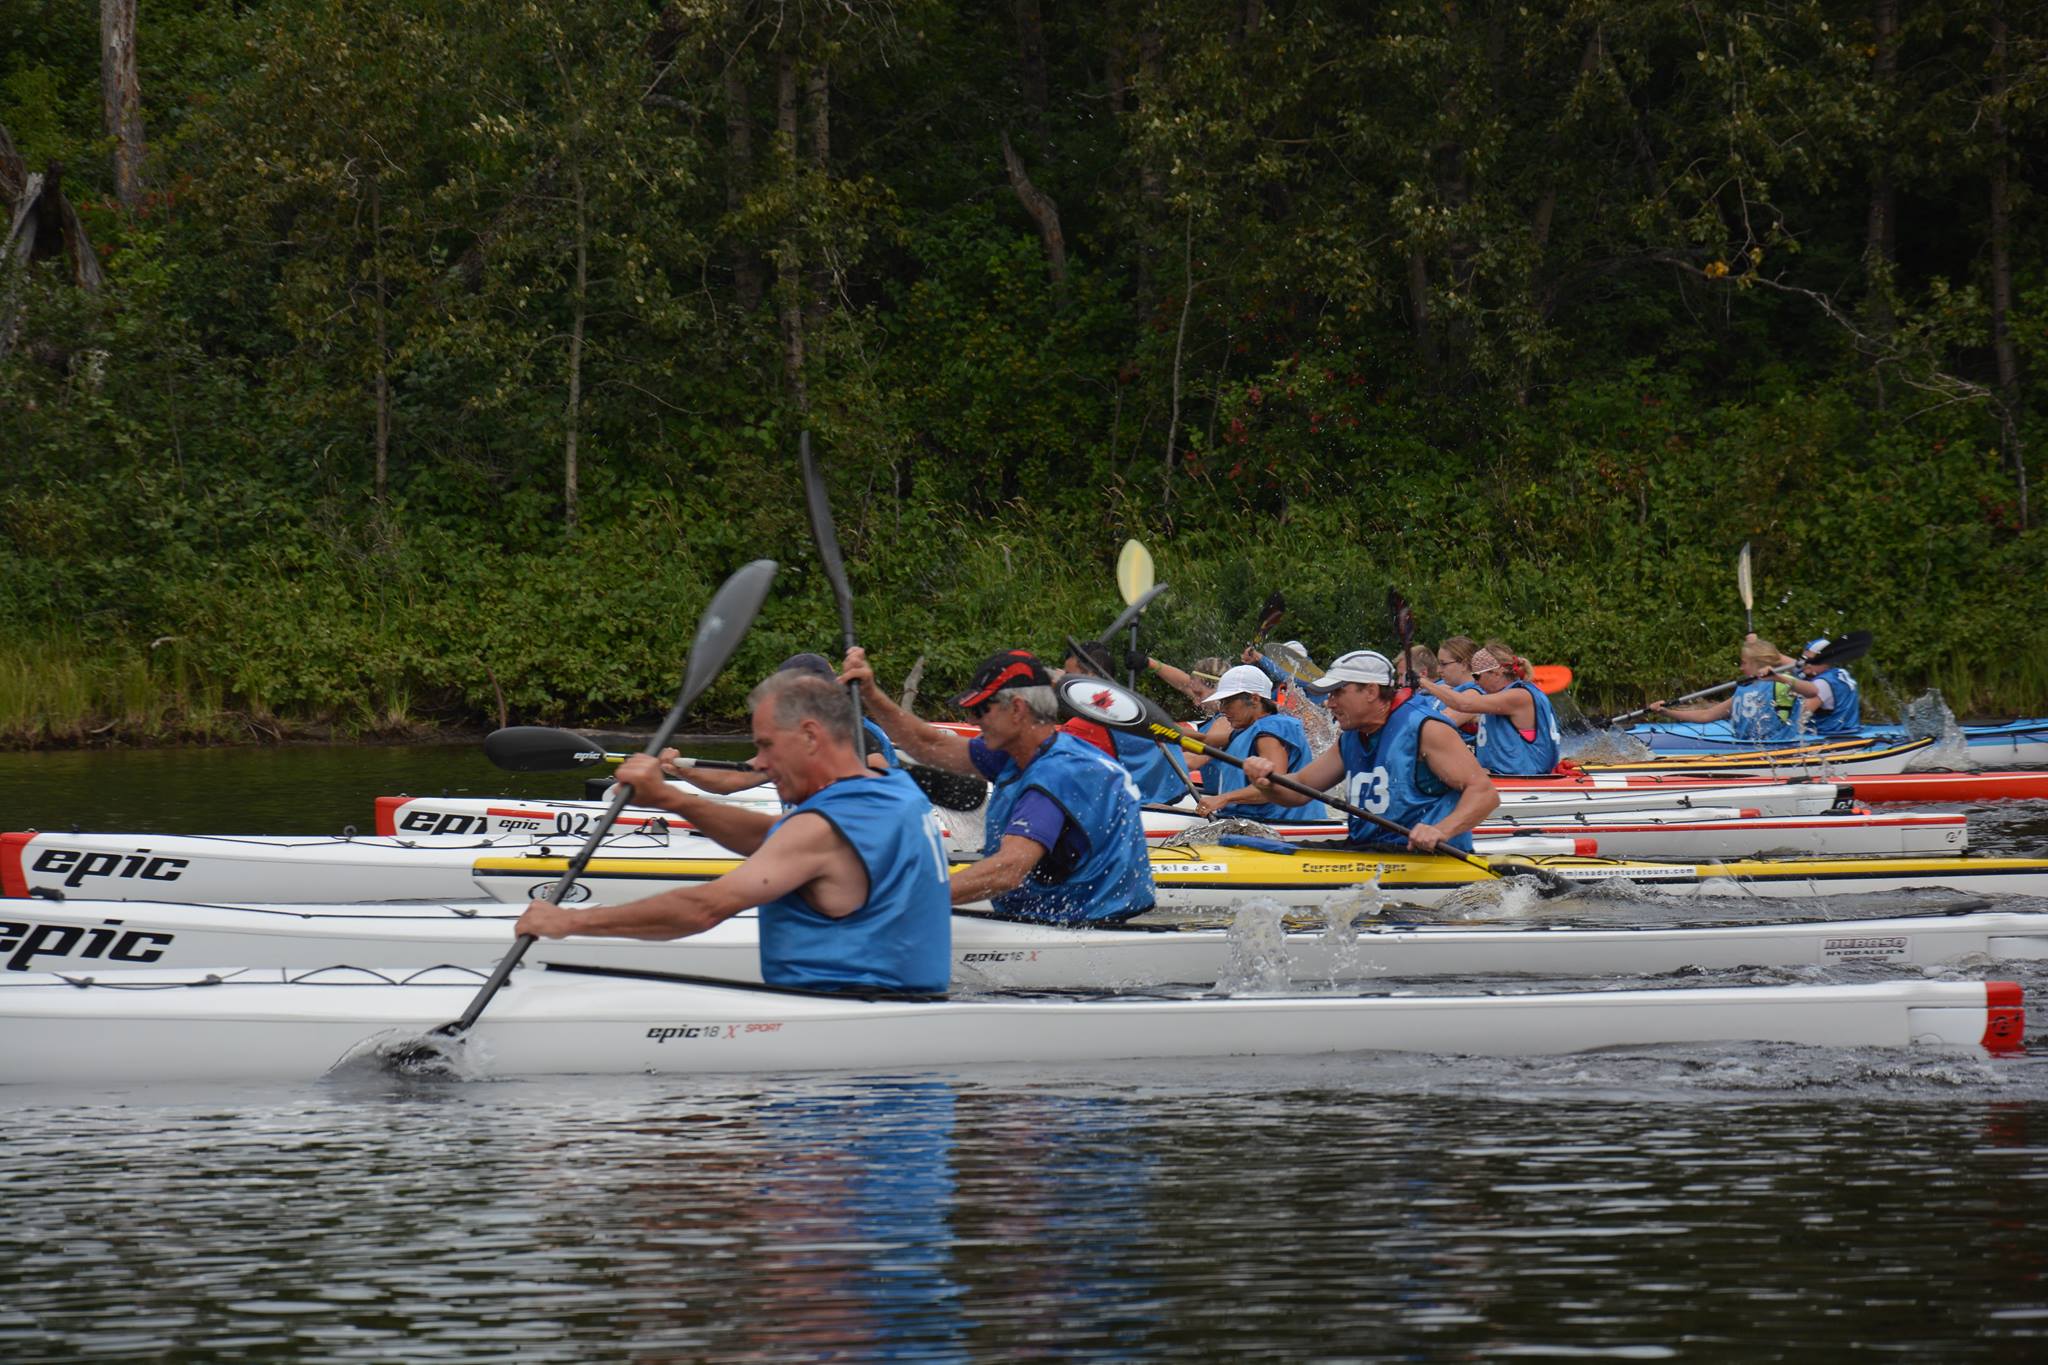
1134,576
1102,701
1742,579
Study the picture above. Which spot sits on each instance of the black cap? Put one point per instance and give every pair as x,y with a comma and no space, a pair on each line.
1011,668
808,663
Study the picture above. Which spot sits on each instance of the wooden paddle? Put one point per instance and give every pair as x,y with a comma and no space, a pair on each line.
719,631
1846,650
1106,704
1743,586
819,505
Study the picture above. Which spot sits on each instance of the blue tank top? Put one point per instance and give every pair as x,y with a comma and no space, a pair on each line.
1243,744
1846,716
1753,714
901,939
878,743
1113,878
1150,766
1501,748
1388,776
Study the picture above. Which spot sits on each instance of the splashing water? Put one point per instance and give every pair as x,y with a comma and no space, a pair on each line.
1927,717
1605,746
1258,951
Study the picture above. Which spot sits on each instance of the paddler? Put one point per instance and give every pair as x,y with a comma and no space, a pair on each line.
1518,735
1830,703
725,781
1257,728
1403,762
850,878
1750,710
1064,839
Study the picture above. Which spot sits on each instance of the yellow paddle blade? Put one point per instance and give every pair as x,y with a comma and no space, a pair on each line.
1133,571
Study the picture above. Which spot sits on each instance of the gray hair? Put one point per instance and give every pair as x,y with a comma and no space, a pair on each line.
1043,701
800,696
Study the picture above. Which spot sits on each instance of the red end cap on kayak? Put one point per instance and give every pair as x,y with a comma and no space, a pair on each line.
13,881
387,813
1586,848
1751,812
2005,1018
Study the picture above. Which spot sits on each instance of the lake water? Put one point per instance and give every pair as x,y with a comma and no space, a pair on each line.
1641,1204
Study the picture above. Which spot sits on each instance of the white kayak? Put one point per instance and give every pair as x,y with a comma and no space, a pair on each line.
223,867
96,938
1221,876
563,1021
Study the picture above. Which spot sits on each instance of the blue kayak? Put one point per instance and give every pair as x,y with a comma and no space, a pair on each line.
2016,743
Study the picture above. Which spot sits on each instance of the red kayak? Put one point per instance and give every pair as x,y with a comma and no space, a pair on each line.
2018,784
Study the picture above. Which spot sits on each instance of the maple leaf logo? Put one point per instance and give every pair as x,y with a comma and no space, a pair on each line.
1102,698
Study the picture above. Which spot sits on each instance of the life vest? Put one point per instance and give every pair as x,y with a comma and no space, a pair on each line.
1114,876
1504,750
901,938
1243,743
1388,776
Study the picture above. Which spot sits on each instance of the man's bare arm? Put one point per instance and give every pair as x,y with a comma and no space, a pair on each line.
923,741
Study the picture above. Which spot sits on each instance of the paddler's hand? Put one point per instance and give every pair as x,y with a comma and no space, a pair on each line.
1425,838
1656,706
644,775
545,919
854,668
1251,654
1258,771
1210,805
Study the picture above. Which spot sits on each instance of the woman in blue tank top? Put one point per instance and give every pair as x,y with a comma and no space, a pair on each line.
1518,734
1750,710
1258,728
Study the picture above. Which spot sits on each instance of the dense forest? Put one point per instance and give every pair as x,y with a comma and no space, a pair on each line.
375,364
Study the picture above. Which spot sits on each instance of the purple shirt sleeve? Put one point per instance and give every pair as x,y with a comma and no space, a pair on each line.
1037,817
990,763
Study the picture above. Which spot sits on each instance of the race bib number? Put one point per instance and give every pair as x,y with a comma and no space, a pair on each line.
935,835
1370,790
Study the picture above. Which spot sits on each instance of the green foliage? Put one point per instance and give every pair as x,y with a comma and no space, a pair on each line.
1534,313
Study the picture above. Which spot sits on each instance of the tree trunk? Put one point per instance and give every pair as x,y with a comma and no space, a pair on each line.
383,359
2001,264
818,104
1031,80
739,171
1880,235
1044,212
1151,179
121,98
579,310
789,273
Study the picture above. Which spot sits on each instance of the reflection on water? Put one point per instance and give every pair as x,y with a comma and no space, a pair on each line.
1764,1202
1190,1211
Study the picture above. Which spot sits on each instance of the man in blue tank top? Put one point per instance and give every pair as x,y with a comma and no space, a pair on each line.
1065,839
1403,762
850,878
1257,727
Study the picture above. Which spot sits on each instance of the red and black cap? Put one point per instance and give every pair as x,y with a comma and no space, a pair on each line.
1011,668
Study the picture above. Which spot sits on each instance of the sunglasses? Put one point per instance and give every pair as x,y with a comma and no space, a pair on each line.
982,708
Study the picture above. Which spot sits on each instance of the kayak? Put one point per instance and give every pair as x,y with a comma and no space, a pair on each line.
1208,876
218,867
96,938
1698,832
1837,760
1902,788
555,1021
2017,743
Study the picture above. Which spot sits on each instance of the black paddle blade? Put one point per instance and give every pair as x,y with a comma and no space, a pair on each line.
540,749
1402,619
1269,617
1846,650
722,627
819,505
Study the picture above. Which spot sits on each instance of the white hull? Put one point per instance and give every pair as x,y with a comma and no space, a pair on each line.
546,1023
1731,834
99,939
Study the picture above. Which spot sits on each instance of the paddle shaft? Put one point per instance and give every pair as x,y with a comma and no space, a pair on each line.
1172,751
820,509
620,797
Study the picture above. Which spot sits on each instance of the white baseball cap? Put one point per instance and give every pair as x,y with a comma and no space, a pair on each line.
1359,666
1243,680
